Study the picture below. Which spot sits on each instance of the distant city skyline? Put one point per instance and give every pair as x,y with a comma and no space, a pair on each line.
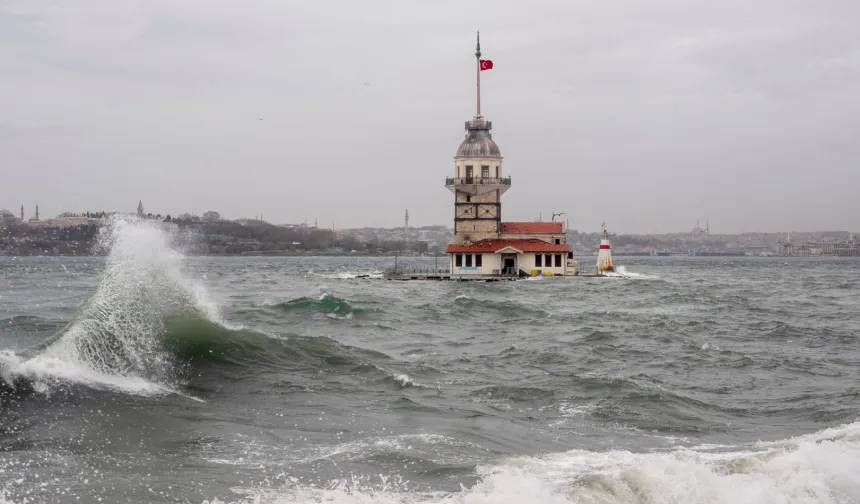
645,115
704,228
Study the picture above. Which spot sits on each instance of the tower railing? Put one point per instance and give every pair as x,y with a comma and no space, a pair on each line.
481,124
452,181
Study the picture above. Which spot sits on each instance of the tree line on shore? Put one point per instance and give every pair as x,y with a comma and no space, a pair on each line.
198,236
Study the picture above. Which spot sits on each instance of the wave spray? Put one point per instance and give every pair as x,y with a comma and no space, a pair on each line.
116,341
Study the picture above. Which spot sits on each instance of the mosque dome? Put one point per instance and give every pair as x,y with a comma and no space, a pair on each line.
6,214
478,142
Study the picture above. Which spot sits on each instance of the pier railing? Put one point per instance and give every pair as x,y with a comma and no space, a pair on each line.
445,273
415,271
452,181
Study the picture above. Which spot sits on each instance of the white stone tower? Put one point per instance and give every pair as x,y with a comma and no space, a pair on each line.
478,183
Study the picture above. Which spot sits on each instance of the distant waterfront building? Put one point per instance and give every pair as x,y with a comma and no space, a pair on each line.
697,231
483,244
7,217
69,219
35,220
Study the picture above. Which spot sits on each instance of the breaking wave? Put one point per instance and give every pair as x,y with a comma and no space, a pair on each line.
117,340
814,468
621,272
148,322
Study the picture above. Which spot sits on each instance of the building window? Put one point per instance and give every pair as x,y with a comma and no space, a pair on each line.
547,260
479,262
570,255
468,198
497,172
458,260
468,171
485,171
538,262
558,260
557,241
468,260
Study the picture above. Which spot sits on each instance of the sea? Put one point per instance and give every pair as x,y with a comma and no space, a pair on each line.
151,376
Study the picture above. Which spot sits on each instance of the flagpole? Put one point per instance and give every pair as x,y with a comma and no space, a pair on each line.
478,66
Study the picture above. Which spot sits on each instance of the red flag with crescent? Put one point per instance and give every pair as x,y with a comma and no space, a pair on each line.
486,64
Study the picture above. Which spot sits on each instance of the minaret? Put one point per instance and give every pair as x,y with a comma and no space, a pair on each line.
37,211
140,208
406,221
22,212
478,183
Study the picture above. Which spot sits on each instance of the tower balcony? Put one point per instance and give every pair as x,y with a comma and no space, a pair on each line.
478,185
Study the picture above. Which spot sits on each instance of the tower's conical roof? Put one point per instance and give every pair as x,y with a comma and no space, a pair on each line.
478,142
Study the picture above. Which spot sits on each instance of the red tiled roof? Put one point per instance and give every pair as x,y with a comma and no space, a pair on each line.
532,227
492,246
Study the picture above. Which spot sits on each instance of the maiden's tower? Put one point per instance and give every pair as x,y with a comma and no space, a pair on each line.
484,245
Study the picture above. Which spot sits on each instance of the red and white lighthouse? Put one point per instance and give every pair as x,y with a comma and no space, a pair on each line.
604,255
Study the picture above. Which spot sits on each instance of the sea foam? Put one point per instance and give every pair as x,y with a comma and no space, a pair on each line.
817,468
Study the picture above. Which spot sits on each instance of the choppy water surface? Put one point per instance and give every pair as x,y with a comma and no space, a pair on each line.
151,377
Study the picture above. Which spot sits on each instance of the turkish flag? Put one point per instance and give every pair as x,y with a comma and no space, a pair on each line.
486,64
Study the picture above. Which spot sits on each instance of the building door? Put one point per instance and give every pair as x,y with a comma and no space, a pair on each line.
509,265
469,174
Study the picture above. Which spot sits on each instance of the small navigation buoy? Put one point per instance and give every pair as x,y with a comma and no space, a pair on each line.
604,255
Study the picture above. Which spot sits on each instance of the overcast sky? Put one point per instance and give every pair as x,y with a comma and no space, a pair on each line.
647,114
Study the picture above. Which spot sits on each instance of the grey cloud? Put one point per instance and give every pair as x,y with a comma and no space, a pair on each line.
646,114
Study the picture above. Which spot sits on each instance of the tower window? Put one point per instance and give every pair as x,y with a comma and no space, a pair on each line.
485,171
469,173
497,172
